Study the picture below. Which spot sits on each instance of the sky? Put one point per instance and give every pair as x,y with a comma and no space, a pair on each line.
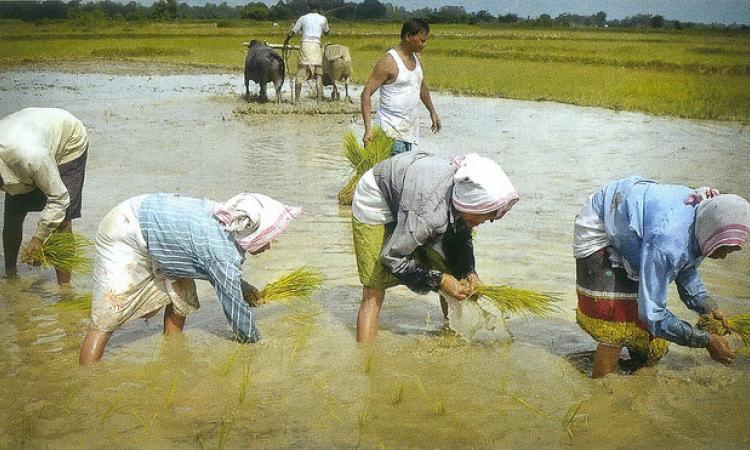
702,11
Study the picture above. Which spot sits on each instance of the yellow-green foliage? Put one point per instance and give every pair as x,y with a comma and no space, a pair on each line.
627,334
699,74
65,251
739,325
80,303
514,300
361,159
300,283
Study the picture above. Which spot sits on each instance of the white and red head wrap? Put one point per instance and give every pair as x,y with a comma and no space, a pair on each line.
481,187
722,220
255,219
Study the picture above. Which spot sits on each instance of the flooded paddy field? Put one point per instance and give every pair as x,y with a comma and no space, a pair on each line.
307,384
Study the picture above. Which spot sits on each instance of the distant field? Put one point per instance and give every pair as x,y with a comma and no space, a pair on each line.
704,75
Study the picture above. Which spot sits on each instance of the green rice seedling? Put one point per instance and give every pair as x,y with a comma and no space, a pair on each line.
172,390
421,388
399,395
361,159
112,408
224,429
80,303
515,300
199,439
230,362
533,409
300,283
245,380
368,364
362,414
440,407
567,419
740,325
63,250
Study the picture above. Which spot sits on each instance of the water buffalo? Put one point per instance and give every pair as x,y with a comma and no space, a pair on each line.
263,65
337,66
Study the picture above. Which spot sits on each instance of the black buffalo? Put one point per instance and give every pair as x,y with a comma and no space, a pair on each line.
263,65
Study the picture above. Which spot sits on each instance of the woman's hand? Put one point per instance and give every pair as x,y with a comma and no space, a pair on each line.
473,280
32,253
251,294
718,314
720,351
451,286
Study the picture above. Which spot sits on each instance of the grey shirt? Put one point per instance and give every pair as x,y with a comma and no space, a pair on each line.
418,188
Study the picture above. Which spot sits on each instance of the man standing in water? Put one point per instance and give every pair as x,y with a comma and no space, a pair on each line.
42,165
400,79
310,66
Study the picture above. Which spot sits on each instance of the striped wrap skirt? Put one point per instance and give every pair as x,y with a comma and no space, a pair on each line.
608,308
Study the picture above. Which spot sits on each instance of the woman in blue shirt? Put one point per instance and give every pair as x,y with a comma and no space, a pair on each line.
632,239
150,248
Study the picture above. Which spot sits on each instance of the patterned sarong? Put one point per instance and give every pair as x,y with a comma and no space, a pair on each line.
608,307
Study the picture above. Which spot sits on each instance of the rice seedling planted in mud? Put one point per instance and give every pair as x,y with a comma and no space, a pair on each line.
361,159
300,283
515,300
62,250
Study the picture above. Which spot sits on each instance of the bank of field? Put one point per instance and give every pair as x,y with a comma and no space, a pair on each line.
704,75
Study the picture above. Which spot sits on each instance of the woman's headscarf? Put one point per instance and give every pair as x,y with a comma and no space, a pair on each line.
481,187
255,219
722,220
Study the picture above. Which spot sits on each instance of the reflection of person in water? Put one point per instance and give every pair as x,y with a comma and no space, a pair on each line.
42,166
632,239
151,248
413,209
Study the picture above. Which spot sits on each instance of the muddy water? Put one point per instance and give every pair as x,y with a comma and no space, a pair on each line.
307,384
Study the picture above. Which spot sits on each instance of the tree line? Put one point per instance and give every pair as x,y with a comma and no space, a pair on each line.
171,10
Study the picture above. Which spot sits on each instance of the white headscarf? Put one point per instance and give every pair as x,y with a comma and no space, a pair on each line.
722,220
481,186
255,219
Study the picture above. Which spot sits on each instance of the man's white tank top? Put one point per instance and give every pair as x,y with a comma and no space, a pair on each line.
398,113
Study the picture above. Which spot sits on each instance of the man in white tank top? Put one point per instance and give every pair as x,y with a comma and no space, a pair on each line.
310,64
400,79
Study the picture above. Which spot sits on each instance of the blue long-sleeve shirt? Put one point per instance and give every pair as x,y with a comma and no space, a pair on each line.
185,240
651,228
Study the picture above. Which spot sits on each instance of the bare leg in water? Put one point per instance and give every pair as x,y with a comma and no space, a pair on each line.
606,359
95,341
369,314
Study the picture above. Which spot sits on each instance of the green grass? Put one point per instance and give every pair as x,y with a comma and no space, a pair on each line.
696,74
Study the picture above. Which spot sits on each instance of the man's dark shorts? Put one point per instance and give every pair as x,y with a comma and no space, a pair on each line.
71,173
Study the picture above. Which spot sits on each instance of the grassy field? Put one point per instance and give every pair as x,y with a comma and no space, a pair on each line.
704,75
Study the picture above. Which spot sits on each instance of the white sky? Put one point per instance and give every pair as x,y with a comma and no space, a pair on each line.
702,11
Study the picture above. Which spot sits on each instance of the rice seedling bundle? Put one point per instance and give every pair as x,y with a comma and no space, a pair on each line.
739,325
300,283
515,300
361,159
65,251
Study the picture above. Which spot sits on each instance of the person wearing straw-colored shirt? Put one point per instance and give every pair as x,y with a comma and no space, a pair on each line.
42,167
